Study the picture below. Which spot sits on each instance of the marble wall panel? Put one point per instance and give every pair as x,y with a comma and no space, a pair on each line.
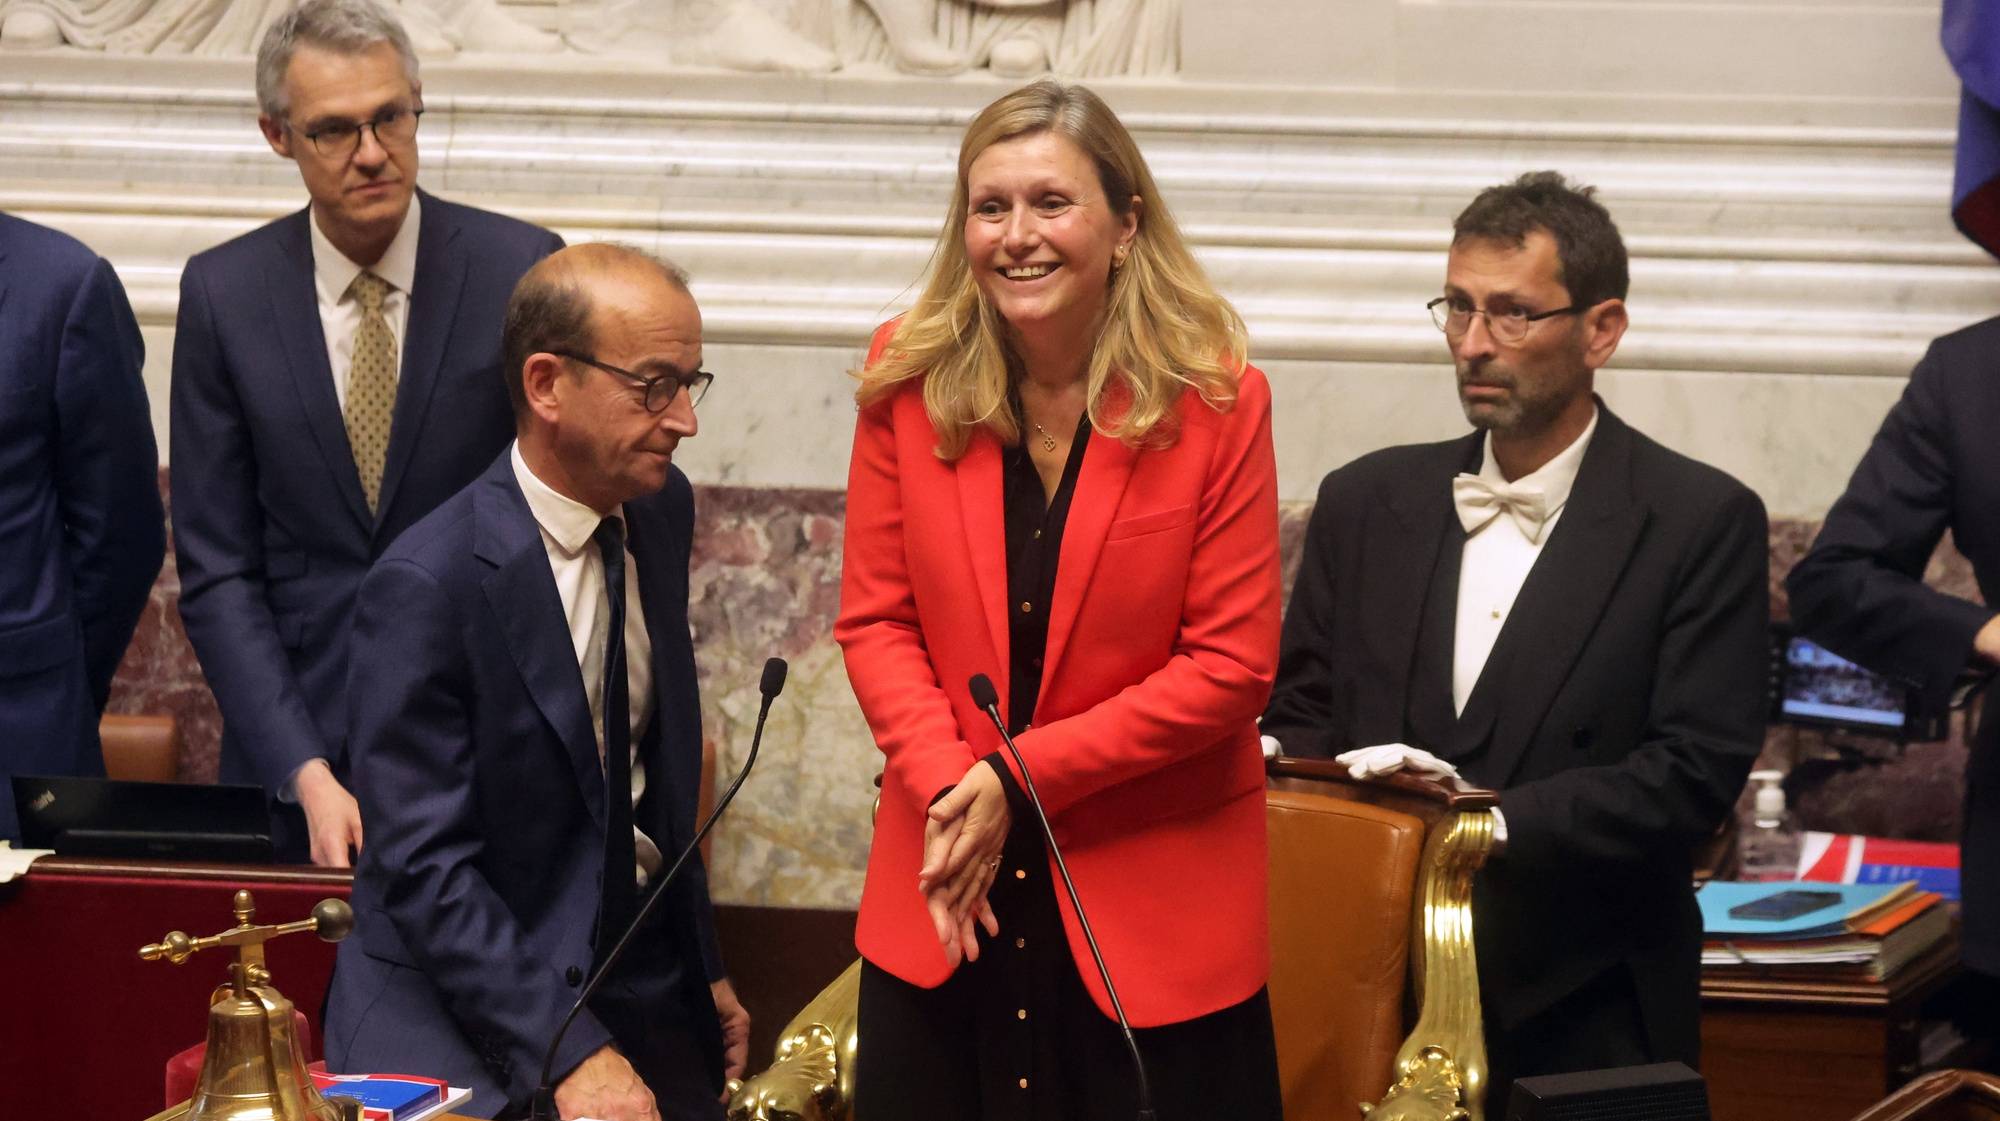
765,582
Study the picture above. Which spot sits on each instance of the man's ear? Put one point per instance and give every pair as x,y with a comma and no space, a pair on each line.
276,134
539,377
1604,325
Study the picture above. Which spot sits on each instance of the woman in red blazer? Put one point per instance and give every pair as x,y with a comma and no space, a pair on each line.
1063,479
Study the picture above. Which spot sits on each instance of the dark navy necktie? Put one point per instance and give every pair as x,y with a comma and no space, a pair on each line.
620,860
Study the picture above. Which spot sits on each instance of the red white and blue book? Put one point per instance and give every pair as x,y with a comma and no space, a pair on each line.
390,1097
1844,858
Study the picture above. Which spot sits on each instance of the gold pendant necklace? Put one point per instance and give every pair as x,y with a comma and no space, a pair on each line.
1048,441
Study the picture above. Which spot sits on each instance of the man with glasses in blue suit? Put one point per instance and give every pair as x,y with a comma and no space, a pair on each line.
336,376
527,736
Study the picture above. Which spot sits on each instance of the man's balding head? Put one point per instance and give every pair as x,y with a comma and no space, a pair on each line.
552,309
603,352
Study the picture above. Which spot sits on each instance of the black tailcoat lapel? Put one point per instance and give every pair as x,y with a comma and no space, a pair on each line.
1563,597
1393,581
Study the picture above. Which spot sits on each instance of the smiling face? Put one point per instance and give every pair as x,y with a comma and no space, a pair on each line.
610,449
359,200
1543,382
1041,237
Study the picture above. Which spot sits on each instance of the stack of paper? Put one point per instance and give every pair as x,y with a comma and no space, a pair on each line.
1818,930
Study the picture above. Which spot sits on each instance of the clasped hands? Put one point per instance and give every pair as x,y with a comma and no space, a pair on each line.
963,835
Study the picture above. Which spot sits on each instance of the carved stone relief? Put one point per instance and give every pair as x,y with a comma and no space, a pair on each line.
1011,38
438,28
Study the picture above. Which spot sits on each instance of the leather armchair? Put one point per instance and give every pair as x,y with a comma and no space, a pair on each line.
1374,982
141,748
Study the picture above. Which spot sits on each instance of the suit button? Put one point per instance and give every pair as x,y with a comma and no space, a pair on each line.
574,976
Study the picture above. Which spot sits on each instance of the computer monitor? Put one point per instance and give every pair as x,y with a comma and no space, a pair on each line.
1813,685
149,820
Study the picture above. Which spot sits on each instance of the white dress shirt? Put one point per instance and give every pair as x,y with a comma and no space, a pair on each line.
566,527
340,313
1497,559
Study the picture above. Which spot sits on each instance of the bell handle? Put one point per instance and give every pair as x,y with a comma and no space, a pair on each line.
332,919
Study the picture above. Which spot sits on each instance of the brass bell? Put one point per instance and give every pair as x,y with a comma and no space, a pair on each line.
255,1065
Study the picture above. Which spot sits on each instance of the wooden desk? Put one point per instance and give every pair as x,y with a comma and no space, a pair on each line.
1814,1051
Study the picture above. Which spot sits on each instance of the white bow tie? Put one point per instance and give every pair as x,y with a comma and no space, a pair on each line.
1481,500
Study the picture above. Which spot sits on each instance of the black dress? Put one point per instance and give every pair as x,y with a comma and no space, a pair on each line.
1015,1035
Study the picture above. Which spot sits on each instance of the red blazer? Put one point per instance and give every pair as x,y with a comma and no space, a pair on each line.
1163,638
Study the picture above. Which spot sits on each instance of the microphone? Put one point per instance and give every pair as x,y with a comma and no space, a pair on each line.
988,699
543,1106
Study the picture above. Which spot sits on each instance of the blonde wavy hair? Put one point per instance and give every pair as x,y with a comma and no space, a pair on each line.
1165,329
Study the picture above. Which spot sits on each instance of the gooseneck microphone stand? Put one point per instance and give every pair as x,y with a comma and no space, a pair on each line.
543,1106
988,699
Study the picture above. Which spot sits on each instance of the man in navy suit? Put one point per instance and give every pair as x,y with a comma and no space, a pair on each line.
526,632
336,376
1861,592
81,532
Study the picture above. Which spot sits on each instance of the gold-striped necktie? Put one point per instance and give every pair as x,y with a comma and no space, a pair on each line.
371,385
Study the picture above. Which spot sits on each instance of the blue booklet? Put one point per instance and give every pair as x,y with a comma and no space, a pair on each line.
387,1097
1785,909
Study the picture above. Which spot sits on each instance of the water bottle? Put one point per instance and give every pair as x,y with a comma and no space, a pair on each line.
1769,849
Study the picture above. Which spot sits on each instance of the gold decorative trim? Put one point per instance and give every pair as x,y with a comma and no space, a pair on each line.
813,1077
1441,1068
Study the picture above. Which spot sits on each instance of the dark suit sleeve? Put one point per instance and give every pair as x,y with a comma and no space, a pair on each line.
219,549
712,967
1300,714
107,473
1860,591
709,945
1704,727
414,758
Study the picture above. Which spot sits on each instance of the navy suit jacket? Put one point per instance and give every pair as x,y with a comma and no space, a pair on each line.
477,770
271,531
1618,714
1860,590
81,532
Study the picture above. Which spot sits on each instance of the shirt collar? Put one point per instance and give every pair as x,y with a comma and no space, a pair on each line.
398,265
1557,477
568,522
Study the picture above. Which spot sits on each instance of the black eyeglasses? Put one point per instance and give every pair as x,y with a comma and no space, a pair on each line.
660,390
1453,316
341,139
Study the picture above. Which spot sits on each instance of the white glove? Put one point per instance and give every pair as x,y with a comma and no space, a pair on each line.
1388,758
1272,748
